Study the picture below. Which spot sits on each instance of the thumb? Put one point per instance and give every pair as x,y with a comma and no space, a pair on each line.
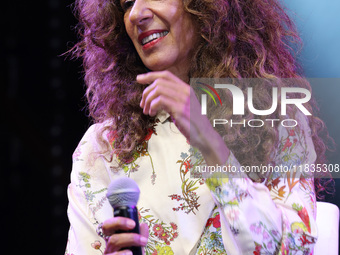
144,231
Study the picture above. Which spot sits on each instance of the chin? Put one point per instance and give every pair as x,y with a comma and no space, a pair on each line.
157,67
159,64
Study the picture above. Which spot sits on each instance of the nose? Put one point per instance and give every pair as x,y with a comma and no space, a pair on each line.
140,13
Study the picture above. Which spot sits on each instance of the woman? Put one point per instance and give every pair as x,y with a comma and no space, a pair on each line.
139,56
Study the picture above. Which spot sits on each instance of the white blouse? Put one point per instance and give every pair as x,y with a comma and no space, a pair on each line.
193,215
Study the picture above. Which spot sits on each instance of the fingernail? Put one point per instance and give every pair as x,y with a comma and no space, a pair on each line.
128,253
130,224
143,240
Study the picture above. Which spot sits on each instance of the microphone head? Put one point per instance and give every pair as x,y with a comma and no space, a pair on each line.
123,191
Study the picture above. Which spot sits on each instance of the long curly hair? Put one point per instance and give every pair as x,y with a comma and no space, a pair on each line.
238,39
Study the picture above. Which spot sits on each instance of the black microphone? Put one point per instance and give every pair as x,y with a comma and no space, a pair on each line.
123,195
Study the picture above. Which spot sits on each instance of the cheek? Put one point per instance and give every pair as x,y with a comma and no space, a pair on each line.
187,34
184,27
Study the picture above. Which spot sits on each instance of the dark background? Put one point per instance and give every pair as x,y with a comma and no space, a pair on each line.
43,120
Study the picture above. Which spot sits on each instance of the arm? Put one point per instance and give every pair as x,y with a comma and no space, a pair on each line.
82,237
277,215
93,226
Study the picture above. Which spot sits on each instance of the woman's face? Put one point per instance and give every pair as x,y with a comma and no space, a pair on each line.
162,33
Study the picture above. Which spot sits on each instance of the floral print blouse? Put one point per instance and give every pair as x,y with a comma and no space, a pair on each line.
192,215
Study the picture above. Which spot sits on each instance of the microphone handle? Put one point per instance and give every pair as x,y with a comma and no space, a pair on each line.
132,213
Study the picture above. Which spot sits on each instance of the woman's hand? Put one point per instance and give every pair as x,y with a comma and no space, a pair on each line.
115,242
167,92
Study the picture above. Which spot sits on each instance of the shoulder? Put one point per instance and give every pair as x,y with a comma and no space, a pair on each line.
94,141
93,156
93,163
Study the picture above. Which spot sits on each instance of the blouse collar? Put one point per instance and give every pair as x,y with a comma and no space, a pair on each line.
163,116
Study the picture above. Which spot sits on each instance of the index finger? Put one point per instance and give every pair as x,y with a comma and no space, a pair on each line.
111,225
150,77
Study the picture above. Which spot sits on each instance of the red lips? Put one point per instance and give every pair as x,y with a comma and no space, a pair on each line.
147,33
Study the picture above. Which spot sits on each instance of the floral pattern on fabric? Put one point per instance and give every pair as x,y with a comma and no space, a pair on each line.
77,152
189,199
140,151
286,154
84,182
234,198
97,245
160,233
231,215
270,239
296,242
296,235
303,214
211,241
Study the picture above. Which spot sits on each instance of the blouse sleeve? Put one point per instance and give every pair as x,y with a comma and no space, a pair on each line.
276,216
86,194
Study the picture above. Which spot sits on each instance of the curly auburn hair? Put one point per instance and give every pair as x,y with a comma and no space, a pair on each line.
238,39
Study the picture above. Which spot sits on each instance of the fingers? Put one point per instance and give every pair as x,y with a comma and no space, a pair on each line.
165,92
111,225
161,91
119,241
148,78
154,105
123,252
144,230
